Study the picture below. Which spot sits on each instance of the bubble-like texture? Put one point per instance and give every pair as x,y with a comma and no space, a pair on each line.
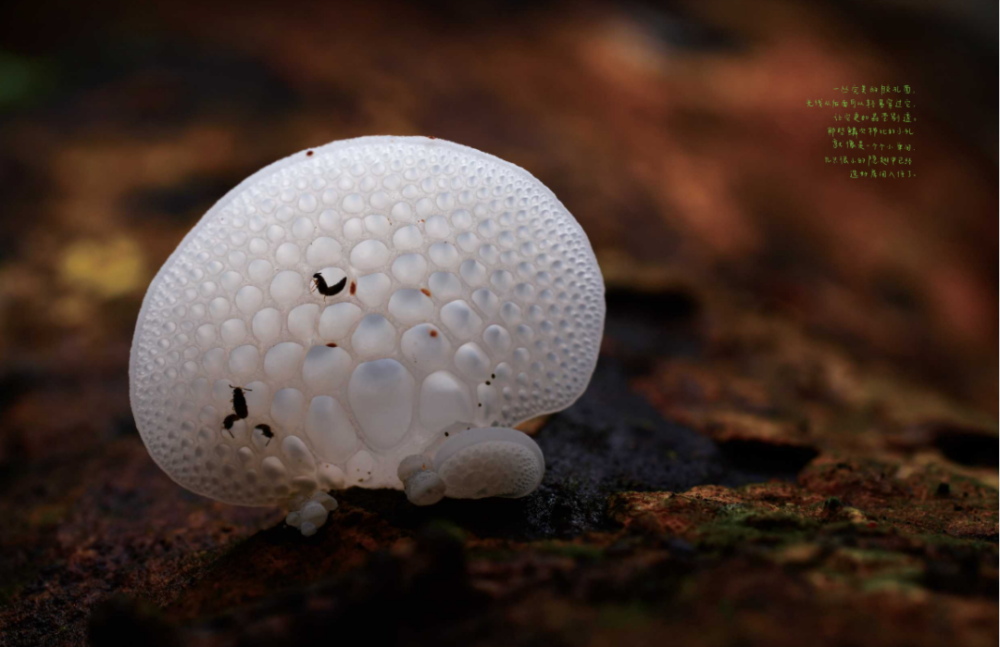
490,468
444,400
470,296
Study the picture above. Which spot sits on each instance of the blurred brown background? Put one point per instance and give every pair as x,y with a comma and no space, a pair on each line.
756,294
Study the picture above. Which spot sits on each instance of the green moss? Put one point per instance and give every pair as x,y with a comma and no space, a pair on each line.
727,609
874,555
904,578
49,515
738,525
449,528
944,540
893,579
23,80
624,616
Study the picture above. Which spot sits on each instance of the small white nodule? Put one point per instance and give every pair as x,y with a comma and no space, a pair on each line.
492,461
422,485
424,488
312,513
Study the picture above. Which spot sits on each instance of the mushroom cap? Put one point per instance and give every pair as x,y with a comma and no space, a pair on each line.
495,461
473,299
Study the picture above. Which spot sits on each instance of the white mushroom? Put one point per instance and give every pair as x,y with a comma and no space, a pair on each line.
469,298
311,513
424,488
496,461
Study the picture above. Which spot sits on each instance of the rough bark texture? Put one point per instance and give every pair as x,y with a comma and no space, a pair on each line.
791,435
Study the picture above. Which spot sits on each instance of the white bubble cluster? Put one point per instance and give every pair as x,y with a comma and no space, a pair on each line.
472,299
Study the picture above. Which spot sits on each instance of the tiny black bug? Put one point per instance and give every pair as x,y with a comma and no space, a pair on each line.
265,431
328,290
228,423
239,402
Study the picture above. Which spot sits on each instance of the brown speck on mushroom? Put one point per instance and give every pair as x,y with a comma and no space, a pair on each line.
354,288
332,344
309,153
434,333
425,291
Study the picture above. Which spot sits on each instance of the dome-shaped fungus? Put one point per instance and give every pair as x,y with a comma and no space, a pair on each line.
357,304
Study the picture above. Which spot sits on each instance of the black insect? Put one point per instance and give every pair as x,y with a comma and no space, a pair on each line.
228,423
265,431
239,402
328,290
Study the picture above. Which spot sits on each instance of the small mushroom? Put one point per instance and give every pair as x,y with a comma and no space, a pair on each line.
493,461
424,488
312,513
420,482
